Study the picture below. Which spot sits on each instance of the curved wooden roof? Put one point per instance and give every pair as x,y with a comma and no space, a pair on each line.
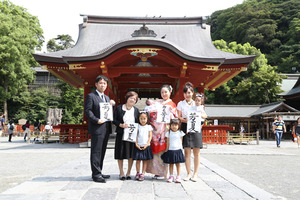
99,36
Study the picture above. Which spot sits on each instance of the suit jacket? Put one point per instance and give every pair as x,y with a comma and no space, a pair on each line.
92,111
118,117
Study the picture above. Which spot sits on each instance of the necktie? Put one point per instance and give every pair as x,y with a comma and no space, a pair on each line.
102,97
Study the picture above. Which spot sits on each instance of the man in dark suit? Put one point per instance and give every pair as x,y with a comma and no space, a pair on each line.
98,128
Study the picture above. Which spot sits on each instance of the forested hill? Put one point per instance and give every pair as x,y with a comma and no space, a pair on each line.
273,26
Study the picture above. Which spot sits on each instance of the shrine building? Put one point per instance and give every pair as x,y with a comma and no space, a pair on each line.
142,54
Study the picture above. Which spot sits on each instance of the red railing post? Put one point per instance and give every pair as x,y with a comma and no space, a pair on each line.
215,134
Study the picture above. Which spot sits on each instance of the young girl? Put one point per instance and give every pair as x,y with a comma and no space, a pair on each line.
194,141
142,150
173,154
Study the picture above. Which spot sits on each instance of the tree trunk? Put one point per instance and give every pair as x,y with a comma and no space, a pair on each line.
5,111
5,102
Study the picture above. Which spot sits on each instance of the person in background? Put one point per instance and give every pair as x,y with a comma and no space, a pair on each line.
242,130
278,129
10,129
2,123
48,128
296,131
37,129
27,131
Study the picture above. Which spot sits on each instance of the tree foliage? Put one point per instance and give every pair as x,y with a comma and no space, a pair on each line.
71,99
33,104
271,26
61,42
72,103
258,85
20,34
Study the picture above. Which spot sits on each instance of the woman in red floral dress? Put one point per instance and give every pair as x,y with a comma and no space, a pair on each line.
158,143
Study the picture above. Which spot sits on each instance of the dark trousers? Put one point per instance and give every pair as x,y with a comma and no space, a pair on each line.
98,149
9,137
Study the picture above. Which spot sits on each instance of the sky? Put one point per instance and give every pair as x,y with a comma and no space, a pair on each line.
59,17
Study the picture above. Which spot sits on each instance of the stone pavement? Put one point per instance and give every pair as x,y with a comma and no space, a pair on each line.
71,179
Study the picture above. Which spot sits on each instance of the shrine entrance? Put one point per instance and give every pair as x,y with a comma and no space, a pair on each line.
142,54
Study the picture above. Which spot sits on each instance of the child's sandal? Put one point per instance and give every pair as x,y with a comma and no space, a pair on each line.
142,177
178,179
137,176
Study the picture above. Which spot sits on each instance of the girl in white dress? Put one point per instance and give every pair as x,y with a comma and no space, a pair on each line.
173,154
142,150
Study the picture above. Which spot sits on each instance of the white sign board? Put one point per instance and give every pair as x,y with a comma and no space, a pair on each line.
290,117
163,114
193,122
106,112
130,133
215,122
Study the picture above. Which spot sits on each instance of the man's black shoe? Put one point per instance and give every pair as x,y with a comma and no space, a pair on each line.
99,180
105,176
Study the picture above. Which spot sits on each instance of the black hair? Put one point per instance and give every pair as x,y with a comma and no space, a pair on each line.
169,87
201,95
188,86
143,112
101,77
175,121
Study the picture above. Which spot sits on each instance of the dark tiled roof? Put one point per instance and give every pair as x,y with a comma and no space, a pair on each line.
187,37
246,111
294,91
273,107
230,111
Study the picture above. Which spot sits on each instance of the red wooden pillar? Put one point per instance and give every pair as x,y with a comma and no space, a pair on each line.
179,93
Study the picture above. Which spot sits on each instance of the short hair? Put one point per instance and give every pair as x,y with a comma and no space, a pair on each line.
145,113
1,113
130,94
101,77
175,121
188,86
200,95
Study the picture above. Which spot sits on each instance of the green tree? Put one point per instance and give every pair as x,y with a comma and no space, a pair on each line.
71,99
72,103
258,85
20,34
33,104
271,26
61,42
